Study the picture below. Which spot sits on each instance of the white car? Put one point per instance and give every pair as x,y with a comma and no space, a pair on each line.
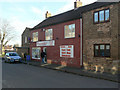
12,57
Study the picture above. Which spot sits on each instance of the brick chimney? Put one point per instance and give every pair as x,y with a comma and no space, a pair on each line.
47,14
77,4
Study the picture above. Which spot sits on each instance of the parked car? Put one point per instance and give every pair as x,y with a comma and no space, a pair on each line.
12,57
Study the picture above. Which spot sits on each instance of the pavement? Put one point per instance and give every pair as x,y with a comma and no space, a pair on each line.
77,71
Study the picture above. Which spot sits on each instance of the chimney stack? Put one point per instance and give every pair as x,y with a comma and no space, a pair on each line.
77,4
47,14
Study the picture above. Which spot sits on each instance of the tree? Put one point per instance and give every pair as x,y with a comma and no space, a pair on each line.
6,33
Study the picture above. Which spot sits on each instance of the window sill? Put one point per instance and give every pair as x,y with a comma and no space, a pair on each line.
101,57
35,58
70,38
101,22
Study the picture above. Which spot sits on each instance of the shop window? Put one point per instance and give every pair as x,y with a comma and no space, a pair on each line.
35,36
36,53
102,50
102,16
48,34
69,31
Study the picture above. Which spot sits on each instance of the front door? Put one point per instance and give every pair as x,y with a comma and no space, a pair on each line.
45,50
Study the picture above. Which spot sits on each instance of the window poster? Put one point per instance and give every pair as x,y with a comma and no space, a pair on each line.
36,53
67,51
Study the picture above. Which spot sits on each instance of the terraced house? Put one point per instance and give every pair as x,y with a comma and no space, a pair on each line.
101,36
85,35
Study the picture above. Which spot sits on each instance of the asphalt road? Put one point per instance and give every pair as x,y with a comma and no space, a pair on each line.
26,76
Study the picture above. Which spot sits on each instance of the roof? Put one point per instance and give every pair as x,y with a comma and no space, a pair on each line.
70,15
27,28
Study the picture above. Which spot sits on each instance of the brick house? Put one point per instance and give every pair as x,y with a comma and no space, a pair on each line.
24,49
62,36
101,36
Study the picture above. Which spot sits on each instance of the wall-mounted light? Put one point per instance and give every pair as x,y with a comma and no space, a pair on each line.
57,38
78,35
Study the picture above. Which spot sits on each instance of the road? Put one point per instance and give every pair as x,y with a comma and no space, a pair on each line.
27,76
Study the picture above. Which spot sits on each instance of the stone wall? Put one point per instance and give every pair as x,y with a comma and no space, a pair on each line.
119,28
102,33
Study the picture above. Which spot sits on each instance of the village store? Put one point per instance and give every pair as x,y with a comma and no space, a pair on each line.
70,39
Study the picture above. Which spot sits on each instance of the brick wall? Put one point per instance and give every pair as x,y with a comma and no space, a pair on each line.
21,51
26,33
100,34
53,52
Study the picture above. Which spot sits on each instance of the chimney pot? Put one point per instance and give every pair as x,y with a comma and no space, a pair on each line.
77,4
47,14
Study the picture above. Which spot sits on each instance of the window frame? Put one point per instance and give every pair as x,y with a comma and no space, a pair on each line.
65,29
94,17
104,50
26,39
99,16
52,34
33,36
38,54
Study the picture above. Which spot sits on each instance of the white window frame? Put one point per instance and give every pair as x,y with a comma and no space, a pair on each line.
36,36
26,40
49,36
65,33
38,54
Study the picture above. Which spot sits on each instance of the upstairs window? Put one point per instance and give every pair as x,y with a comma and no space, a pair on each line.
102,16
96,17
102,50
69,31
107,15
48,34
35,36
25,39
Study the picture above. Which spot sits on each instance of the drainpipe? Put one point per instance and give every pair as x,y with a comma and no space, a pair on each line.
81,42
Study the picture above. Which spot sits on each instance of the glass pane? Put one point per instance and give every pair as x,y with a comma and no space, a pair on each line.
96,47
96,17
35,36
36,53
106,15
70,31
101,16
96,50
102,47
108,47
102,51
107,52
49,34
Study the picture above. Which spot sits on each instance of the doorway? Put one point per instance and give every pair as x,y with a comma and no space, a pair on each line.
45,50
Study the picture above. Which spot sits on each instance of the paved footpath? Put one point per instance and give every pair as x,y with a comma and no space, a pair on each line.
78,71
28,76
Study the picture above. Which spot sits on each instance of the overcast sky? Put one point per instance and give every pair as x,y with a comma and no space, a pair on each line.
28,13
